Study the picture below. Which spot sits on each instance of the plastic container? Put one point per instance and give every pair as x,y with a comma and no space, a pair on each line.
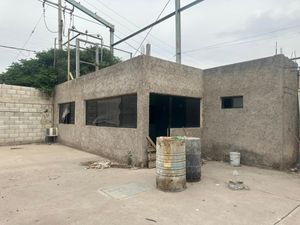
235,158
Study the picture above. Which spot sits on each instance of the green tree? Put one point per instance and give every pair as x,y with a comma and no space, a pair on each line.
40,72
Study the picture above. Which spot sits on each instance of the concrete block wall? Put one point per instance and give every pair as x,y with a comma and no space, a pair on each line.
24,115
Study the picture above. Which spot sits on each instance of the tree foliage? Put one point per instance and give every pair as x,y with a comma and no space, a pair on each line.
40,72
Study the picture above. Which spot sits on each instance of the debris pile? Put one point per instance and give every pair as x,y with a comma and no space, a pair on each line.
104,164
294,170
237,185
99,165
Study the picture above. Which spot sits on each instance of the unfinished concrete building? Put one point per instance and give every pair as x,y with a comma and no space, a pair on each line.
250,107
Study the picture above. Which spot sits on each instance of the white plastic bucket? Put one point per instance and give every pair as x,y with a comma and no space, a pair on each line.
235,158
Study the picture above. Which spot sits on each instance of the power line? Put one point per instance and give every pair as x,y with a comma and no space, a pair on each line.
130,22
80,17
100,2
129,44
44,16
16,48
170,48
152,27
91,21
239,41
233,44
94,22
124,25
29,37
216,45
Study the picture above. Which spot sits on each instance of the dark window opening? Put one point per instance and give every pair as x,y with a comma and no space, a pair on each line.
118,111
67,113
192,112
232,102
185,112
168,112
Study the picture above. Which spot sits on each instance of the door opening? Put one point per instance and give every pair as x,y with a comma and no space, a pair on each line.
167,111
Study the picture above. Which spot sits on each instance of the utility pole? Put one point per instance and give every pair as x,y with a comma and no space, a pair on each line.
178,26
178,31
60,25
148,49
54,54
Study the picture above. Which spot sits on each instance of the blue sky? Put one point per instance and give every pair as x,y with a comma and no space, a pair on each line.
214,32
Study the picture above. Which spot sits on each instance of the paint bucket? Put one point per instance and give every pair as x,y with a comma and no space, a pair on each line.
235,158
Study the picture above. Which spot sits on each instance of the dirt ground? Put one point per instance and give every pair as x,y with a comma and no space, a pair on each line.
46,184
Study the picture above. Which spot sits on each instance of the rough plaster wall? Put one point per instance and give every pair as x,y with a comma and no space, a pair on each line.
189,132
255,130
290,113
164,77
22,115
114,143
140,75
260,131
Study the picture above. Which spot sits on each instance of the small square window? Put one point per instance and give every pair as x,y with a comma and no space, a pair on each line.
232,102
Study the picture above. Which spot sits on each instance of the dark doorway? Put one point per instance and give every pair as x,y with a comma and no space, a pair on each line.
168,111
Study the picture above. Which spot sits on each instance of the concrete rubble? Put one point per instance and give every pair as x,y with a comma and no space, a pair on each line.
99,165
104,164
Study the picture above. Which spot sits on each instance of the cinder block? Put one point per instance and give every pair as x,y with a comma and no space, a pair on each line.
31,134
13,135
21,92
11,91
13,127
9,114
9,140
19,139
18,122
32,110
28,92
23,109
8,131
2,132
23,133
4,135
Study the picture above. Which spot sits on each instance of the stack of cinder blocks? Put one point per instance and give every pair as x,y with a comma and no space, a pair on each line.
24,115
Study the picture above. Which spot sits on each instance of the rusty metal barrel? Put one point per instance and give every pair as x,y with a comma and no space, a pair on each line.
170,164
193,159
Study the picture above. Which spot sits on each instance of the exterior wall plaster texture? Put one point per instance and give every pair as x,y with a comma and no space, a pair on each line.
24,115
264,130
141,75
